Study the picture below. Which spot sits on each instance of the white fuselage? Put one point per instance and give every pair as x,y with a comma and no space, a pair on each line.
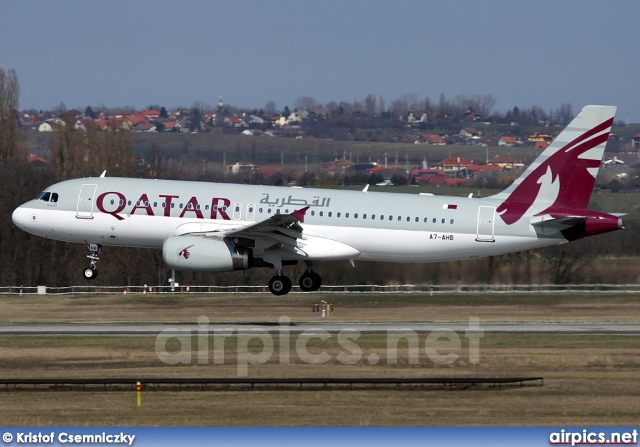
374,226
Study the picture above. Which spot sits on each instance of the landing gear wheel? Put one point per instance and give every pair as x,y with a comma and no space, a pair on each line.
310,282
90,273
280,285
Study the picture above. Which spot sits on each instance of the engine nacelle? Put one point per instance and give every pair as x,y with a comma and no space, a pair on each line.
199,254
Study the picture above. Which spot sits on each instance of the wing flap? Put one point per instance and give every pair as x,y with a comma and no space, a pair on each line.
282,229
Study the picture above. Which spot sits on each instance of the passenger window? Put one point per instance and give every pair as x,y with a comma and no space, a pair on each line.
355,216
321,213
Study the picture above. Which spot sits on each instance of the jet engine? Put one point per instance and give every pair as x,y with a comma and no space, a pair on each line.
199,254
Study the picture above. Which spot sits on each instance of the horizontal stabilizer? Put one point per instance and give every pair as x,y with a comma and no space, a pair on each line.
560,223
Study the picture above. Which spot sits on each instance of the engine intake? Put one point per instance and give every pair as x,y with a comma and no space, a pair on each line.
199,254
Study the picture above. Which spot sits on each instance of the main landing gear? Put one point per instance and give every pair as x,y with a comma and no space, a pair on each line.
309,281
91,272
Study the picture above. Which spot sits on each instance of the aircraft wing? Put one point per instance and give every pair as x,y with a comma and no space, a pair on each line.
282,229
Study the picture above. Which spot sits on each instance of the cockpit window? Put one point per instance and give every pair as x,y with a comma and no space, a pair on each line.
48,196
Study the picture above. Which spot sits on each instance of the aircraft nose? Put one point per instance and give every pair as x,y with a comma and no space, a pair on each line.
22,217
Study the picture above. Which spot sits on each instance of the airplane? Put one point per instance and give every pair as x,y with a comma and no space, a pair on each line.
223,227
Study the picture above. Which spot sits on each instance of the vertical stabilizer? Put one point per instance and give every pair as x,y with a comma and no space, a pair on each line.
562,176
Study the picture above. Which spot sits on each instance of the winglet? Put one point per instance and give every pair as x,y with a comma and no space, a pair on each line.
366,188
299,214
104,173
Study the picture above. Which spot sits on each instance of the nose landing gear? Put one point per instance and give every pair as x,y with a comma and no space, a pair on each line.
91,272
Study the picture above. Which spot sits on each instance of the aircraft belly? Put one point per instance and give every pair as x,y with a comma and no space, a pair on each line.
422,246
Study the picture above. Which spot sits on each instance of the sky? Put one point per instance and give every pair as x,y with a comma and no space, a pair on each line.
174,54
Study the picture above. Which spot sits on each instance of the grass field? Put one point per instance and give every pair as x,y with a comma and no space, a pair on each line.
352,307
589,379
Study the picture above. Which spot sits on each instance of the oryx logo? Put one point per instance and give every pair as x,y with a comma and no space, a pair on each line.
185,253
564,179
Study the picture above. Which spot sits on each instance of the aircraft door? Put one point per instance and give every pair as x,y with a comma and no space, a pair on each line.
237,211
486,220
251,209
85,202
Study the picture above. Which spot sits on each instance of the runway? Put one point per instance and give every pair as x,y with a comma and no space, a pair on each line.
153,329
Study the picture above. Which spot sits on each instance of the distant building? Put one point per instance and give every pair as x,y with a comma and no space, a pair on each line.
452,165
507,141
506,162
540,136
431,139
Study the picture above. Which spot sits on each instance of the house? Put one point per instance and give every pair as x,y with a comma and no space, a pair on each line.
337,166
469,132
234,121
483,170
144,126
452,165
541,144
268,171
171,126
431,139
427,176
239,169
152,114
507,141
505,162
540,136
